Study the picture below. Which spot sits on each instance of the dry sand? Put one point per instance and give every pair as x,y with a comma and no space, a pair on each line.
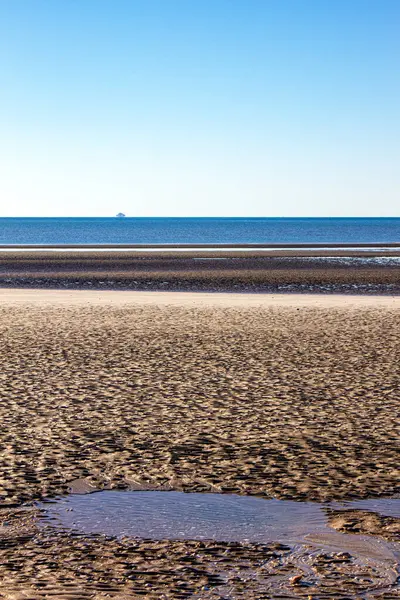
55,297
285,396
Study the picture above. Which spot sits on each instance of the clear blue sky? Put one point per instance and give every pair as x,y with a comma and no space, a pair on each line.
200,107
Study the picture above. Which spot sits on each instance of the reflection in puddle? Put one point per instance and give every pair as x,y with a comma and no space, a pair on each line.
226,518
176,515
249,547
388,507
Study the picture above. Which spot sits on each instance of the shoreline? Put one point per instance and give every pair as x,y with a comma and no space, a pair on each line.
191,246
357,251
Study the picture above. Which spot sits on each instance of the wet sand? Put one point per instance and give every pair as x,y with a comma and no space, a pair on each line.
302,270
291,397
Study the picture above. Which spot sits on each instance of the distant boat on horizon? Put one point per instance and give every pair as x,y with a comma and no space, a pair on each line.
120,215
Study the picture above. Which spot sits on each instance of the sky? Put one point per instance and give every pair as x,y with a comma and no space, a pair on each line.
199,107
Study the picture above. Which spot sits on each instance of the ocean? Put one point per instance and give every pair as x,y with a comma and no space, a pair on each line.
50,231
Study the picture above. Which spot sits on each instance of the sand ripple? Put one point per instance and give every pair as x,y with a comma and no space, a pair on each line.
285,402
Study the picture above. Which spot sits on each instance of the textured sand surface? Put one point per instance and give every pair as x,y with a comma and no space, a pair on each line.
363,521
282,401
50,564
255,395
333,271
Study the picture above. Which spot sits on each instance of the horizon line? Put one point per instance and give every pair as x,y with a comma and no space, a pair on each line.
197,217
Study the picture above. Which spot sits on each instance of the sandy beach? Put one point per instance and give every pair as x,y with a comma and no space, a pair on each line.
283,396
200,300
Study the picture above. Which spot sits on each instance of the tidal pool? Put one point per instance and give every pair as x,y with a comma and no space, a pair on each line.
227,518
313,557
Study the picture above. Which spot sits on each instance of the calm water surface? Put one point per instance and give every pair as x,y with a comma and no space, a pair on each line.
198,230
202,516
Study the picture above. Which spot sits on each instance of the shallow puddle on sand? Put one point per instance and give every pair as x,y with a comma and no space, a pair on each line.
388,507
286,549
178,515
220,517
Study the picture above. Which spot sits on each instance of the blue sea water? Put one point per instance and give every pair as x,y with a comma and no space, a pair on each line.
112,230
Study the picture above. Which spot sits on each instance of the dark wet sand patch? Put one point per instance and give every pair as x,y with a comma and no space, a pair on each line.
301,271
